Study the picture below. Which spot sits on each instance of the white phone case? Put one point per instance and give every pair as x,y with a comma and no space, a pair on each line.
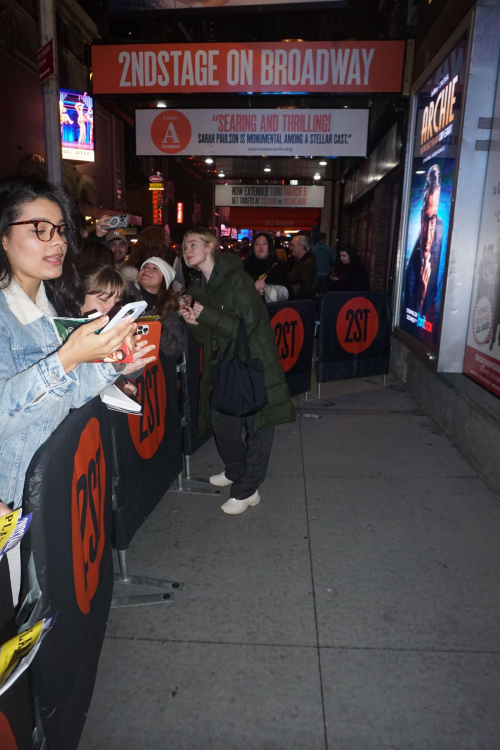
132,311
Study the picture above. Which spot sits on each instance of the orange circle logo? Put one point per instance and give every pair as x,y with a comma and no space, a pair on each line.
8,739
289,332
171,131
148,429
357,325
87,513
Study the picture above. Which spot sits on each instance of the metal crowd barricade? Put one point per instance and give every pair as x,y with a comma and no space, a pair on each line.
355,335
147,460
189,371
68,569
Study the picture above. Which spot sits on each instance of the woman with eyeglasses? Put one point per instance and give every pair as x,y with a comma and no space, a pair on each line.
41,379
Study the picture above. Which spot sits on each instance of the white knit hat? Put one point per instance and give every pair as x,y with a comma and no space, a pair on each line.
166,269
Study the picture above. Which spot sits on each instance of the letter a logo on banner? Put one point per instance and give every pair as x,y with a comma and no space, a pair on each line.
171,131
87,513
170,138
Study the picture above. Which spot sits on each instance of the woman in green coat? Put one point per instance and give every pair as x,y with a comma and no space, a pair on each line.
224,296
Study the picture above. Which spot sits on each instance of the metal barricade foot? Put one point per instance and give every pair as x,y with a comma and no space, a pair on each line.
165,597
185,482
205,489
120,602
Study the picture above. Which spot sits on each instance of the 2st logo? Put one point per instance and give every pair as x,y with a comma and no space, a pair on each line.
357,325
289,332
148,429
88,495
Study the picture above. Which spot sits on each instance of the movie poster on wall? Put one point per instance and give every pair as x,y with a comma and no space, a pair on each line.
433,169
482,353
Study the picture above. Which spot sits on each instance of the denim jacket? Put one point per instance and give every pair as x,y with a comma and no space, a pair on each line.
36,393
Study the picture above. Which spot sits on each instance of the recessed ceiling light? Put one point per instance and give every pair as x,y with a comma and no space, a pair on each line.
267,169
323,163
317,176
209,161
221,174
420,171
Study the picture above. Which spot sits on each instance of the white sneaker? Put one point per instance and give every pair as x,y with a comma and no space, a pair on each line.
233,506
220,480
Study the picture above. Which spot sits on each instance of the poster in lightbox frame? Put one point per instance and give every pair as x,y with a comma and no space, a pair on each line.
439,106
76,113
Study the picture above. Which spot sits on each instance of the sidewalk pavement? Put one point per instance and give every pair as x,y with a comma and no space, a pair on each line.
356,608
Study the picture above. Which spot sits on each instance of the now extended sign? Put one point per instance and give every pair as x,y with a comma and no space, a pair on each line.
276,196
270,132
331,67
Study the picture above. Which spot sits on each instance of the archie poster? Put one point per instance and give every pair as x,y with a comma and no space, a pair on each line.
439,111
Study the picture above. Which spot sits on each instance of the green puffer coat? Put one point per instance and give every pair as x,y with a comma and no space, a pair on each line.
230,296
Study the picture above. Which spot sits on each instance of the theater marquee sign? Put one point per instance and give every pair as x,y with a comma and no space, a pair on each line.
281,67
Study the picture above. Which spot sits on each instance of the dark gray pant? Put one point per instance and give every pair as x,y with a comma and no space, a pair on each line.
322,284
244,450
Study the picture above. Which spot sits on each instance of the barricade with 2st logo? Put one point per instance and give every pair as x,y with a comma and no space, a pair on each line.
355,336
293,324
147,454
16,708
67,557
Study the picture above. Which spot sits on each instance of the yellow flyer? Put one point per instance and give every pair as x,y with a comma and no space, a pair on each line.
13,527
17,654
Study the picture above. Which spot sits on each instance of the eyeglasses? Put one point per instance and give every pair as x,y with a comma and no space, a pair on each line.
44,229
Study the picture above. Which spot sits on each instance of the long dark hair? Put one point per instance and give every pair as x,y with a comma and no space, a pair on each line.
152,241
94,252
65,292
352,253
166,300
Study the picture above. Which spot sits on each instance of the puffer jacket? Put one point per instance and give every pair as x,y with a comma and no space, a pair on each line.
228,297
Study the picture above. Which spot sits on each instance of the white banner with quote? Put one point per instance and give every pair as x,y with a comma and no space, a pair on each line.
256,132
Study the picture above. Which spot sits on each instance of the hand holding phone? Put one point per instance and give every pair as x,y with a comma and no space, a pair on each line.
128,312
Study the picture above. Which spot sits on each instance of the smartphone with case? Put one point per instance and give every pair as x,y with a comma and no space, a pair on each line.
128,312
150,330
118,222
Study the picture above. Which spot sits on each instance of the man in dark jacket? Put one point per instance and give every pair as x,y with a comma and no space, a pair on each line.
303,273
325,259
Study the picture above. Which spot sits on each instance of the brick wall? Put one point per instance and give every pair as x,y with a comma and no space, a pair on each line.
381,234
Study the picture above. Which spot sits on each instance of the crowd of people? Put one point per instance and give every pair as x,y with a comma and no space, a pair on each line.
49,269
